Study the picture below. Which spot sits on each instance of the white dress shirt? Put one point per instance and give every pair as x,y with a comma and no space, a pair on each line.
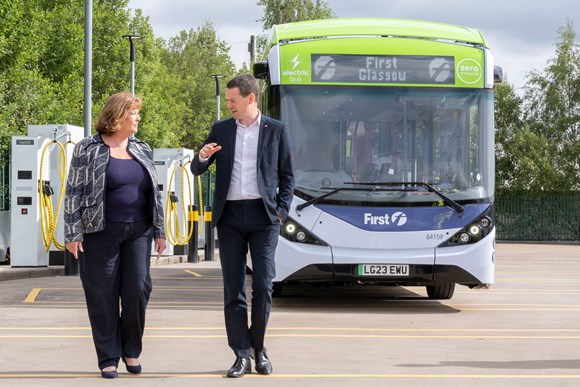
244,181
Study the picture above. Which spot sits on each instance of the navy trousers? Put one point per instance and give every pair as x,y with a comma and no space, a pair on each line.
115,267
245,224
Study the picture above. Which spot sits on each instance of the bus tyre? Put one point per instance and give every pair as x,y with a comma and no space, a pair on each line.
441,292
276,289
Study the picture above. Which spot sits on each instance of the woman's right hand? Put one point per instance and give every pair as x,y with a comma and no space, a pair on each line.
75,248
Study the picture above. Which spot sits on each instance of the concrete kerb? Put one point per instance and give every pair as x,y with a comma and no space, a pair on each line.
8,273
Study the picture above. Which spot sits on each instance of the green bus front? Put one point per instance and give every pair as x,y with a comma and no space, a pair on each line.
388,119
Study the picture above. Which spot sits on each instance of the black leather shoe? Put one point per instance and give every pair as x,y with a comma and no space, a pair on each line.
135,369
263,364
109,374
241,366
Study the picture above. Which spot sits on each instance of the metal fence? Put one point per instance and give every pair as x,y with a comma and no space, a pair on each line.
207,188
521,216
5,182
538,217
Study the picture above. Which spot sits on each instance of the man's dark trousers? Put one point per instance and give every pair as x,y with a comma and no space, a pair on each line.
243,224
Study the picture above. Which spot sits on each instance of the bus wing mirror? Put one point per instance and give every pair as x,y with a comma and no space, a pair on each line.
497,74
261,70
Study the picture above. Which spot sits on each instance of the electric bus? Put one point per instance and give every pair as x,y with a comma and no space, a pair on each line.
392,132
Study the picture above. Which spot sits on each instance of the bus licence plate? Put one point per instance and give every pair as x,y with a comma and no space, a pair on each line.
384,270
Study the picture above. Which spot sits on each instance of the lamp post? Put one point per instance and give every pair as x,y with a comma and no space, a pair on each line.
217,93
132,39
88,65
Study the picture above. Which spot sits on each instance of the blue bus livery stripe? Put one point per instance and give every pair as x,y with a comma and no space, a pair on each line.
405,218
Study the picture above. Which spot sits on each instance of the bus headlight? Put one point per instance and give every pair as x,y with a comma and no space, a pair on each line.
295,232
473,232
485,222
290,228
300,236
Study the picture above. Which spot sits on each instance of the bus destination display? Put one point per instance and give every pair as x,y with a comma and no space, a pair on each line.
403,69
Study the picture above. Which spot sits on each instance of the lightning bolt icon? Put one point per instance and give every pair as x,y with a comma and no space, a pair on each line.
295,61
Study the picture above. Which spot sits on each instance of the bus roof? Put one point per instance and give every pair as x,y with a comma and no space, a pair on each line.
315,29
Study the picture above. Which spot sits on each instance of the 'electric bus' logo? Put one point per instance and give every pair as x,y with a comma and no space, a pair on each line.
324,68
295,61
439,70
397,219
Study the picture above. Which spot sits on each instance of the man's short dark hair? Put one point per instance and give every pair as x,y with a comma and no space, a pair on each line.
246,83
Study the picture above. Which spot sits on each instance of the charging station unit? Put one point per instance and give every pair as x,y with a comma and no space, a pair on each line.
39,149
175,178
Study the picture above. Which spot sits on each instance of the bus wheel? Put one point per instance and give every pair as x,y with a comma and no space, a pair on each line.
441,292
277,289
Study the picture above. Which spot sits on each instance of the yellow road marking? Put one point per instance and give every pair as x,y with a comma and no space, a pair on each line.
31,297
217,305
193,273
194,328
208,279
314,336
187,288
304,376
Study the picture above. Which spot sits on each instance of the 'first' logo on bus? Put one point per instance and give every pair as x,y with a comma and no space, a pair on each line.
397,219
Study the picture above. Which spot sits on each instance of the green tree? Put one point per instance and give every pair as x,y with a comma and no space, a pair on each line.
193,56
42,67
528,163
111,68
61,59
163,111
41,61
508,120
289,11
26,96
553,108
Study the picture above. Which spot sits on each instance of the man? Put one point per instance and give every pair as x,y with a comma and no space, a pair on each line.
253,192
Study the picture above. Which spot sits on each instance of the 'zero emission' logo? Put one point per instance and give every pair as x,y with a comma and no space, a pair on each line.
469,71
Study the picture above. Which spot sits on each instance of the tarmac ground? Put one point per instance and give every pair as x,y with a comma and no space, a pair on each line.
524,331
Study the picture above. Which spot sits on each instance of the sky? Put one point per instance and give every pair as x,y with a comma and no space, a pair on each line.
522,34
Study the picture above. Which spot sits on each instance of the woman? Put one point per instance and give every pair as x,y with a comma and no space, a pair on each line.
113,210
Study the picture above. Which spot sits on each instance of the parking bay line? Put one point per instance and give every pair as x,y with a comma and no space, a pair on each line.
31,297
322,329
309,336
303,376
193,273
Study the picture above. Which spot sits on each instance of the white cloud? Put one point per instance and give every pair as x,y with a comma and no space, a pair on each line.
235,21
521,33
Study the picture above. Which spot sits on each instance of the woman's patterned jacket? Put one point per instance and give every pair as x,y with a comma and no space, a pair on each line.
84,202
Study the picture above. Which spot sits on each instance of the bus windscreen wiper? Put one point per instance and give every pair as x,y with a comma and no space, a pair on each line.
321,197
446,199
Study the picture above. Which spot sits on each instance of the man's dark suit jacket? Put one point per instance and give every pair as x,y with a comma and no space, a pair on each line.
275,174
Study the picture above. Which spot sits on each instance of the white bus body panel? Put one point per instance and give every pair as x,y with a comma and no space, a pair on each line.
298,255
469,258
351,245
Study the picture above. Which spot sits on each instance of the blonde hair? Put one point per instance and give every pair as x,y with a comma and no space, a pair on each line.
115,110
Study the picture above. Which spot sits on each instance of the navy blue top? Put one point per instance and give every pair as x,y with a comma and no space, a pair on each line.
128,191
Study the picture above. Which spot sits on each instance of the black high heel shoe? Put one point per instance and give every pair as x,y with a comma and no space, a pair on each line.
132,369
109,374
